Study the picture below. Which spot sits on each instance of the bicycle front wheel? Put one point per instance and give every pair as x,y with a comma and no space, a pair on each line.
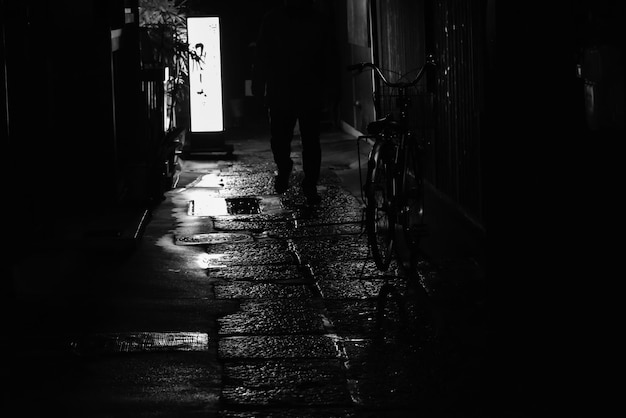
379,217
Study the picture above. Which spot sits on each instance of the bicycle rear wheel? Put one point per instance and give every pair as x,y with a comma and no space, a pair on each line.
409,225
379,219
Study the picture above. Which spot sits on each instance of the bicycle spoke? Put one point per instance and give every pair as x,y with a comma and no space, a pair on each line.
410,217
378,218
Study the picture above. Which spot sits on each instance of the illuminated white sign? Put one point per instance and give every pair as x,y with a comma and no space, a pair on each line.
205,77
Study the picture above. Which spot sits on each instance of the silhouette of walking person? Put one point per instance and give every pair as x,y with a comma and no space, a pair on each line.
292,72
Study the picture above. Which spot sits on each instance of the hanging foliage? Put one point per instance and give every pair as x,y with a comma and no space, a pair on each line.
163,25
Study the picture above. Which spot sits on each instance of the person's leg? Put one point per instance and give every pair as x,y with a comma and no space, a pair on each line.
282,122
311,151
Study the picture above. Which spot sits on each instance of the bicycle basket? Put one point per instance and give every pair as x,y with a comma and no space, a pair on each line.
421,105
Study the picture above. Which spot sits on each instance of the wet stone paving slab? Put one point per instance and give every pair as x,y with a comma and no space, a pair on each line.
350,289
353,318
161,384
322,250
322,395
247,165
257,273
285,372
238,185
353,269
313,229
274,317
271,228
260,252
289,412
352,279
246,290
290,396
336,207
279,346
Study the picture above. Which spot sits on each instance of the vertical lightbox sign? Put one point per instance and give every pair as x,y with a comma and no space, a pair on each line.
205,77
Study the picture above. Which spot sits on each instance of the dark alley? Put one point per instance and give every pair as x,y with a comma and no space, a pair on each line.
279,208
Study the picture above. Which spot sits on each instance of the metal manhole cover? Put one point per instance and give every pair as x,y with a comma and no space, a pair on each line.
213,238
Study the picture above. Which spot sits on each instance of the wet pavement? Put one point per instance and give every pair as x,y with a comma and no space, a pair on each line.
238,302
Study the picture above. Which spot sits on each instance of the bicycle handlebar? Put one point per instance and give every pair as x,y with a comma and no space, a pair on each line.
401,84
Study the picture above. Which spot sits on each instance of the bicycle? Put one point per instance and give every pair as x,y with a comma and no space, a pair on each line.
394,186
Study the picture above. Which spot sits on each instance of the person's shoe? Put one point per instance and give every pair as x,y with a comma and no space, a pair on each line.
281,183
311,196
281,180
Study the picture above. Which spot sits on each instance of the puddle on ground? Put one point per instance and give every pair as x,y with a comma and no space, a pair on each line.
220,206
235,206
211,180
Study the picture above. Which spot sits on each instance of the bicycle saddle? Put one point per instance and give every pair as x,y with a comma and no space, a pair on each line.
383,125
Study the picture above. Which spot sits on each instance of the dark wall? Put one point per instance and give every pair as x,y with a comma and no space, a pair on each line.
539,48
55,74
457,38
61,96
353,34
4,120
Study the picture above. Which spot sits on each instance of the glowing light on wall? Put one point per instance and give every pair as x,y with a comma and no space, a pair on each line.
167,100
205,77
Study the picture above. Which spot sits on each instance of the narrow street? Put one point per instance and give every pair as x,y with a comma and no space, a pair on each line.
239,302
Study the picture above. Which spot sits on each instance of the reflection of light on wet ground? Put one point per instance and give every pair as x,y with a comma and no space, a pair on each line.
207,206
222,206
168,242
205,203
210,180
141,342
272,205
205,261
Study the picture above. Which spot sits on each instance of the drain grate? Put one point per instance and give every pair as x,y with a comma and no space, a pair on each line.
213,238
141,342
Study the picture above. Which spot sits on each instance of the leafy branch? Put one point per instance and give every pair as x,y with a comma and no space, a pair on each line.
163,24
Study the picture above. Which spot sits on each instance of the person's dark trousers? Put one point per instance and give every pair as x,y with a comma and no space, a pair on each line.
282,123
